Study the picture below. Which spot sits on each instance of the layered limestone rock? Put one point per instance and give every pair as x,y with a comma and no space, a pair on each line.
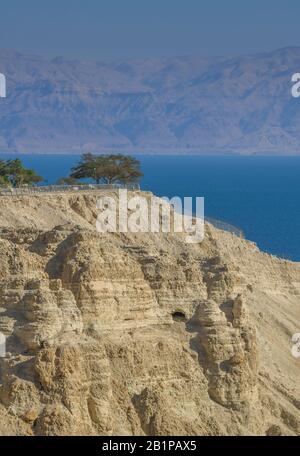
141,333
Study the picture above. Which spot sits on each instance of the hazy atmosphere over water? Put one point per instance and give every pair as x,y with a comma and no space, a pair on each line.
168,76
138,28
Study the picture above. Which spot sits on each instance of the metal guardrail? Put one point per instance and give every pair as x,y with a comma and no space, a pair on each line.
64,189
225,227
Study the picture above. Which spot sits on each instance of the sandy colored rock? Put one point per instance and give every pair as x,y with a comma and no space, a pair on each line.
141,333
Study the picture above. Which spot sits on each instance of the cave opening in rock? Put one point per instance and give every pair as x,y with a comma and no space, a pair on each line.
178,316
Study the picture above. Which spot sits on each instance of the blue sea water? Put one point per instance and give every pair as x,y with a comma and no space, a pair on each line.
260,195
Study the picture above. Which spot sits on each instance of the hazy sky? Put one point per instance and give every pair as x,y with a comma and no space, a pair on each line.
144,28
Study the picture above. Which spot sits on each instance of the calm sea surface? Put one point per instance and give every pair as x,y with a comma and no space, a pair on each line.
260,195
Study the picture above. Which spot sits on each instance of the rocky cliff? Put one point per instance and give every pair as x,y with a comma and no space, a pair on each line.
141,333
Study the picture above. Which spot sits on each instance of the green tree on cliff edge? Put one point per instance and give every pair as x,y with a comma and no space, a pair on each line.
4,182
13,173
108,169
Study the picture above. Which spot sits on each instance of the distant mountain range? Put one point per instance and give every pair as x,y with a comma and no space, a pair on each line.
240,105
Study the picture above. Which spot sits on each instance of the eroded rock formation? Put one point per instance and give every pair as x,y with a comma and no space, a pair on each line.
141,333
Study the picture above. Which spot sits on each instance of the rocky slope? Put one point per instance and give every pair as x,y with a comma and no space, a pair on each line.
173,105
141,333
